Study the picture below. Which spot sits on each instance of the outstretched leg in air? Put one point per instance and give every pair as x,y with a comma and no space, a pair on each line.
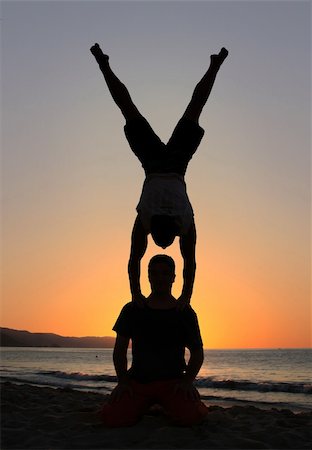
117,89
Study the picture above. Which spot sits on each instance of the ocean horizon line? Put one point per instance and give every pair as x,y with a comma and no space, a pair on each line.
109,341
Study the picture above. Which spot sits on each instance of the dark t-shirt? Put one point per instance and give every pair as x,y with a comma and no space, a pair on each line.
159,338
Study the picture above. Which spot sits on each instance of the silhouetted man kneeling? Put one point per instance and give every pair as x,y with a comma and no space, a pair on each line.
158,374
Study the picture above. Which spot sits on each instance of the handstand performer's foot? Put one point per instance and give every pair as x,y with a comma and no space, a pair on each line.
217,60
98,54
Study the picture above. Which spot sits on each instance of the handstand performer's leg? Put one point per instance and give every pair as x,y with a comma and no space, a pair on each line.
142,139
203,88
117,89
187,135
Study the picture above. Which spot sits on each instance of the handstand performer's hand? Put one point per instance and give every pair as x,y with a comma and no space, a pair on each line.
98,54
218,59
139,300
182,302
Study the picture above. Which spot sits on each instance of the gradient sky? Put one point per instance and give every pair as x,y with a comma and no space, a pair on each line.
70,183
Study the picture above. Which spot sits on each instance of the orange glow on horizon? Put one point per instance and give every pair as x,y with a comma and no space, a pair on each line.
86,298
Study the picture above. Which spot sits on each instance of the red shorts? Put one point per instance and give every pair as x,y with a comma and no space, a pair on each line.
129,409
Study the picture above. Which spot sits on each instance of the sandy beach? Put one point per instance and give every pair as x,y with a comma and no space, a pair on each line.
38,417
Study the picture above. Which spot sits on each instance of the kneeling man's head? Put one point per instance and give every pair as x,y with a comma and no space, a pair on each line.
161,273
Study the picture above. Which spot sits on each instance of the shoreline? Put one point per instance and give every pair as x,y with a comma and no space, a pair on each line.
54,418
209,400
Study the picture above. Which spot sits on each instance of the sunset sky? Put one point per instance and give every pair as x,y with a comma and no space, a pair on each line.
70,183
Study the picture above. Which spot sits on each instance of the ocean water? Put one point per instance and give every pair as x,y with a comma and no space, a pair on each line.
278,378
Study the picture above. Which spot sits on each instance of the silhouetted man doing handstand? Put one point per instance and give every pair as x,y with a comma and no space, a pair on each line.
159,373
164,209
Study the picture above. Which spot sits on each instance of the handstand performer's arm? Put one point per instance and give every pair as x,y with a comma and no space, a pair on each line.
203,88
117,89
123,100
187,247
138,248
188,242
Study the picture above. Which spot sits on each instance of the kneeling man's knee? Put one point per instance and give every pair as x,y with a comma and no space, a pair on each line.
113,416
189,414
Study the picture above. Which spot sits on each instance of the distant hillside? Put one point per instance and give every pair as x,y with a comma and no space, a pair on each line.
16,338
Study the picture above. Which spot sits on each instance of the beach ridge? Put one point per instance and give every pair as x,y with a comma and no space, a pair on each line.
43,417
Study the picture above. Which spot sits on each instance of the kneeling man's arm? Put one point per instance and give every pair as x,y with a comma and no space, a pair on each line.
121,365
120,357
193,367
194,364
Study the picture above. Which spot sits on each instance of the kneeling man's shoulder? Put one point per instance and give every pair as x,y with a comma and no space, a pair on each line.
128,307
189,311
